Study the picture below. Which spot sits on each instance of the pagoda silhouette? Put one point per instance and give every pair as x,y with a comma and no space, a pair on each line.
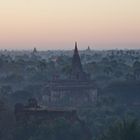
75,91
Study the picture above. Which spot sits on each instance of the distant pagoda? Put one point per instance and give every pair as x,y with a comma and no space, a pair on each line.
34,51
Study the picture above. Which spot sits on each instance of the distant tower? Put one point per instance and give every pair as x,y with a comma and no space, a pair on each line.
88,49
77,72
76,62
34,51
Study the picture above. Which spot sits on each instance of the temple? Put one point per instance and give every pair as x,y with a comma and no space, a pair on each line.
34,112
75,91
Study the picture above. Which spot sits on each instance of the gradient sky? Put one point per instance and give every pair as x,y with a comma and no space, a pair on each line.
56,24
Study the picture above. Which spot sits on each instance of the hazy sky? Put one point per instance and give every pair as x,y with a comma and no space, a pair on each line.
56,24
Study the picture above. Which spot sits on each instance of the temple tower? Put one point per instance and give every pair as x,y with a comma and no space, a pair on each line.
77,72
76,91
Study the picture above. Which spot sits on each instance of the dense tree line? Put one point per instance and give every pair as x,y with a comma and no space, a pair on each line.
117,75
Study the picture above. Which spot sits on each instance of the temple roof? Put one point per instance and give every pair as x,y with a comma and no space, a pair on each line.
76,61
77,72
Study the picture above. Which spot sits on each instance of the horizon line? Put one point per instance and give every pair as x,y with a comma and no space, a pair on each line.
91,49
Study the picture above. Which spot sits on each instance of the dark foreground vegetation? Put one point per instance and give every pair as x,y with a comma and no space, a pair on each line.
115,115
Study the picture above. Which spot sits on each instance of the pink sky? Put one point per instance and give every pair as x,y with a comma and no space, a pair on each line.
53,24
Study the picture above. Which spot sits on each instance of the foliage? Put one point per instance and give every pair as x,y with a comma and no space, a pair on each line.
124,130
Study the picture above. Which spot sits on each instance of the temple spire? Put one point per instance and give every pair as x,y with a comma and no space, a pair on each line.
76,62
76,49
77,70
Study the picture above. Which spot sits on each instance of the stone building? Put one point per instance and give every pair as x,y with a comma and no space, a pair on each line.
34,112
77,90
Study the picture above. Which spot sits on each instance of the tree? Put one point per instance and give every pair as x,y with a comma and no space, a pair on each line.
41,65
136,69
124,130
136,65
108,70
137,73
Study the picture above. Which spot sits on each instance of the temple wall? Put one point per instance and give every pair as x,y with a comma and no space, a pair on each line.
78,96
